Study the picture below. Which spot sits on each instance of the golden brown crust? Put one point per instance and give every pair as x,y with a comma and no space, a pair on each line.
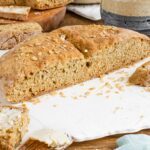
68,56
96,38
53,51
141,76
47,4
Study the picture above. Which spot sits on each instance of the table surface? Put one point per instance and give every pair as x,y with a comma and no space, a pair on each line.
48,19
107,143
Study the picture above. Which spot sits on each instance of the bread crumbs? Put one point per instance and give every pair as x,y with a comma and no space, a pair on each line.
87,93
54,93
99,94
75,97
91,89
61,94
35,100
147,89
82,84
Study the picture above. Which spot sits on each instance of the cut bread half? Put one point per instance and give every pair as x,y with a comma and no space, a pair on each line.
68,56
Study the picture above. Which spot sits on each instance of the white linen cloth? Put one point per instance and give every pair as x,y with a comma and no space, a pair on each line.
91,12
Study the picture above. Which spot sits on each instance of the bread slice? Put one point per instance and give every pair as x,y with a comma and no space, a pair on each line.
68,56
87,1
13,34
141,76
46,4
13,125
14,12
12,2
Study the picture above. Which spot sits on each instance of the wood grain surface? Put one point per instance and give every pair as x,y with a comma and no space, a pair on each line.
48,19
73,19
107,143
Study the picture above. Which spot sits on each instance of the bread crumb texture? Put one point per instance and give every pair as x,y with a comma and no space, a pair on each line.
46,4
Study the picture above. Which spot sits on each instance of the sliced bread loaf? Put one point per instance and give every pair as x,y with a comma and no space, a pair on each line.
13,34
13,125
14,12
68,56
141,76
46,4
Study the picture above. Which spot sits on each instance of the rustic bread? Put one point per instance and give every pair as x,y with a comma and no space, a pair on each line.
87,1
141,76
14,12
36,4
68,56
13,34
12,2
46,4
13,125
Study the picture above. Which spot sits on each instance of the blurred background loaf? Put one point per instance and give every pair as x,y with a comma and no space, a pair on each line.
36,4
44,4
13,34
87,1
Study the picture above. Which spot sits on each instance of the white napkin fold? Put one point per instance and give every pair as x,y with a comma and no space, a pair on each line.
91,12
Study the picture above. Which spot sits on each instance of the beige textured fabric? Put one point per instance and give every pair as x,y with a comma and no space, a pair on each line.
68,56
127,7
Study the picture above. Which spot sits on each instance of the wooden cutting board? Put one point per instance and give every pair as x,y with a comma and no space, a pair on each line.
107,143
48,19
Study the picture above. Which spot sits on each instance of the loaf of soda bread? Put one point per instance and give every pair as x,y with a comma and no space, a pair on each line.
13,125
13,34
141,76
68,56
46,4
